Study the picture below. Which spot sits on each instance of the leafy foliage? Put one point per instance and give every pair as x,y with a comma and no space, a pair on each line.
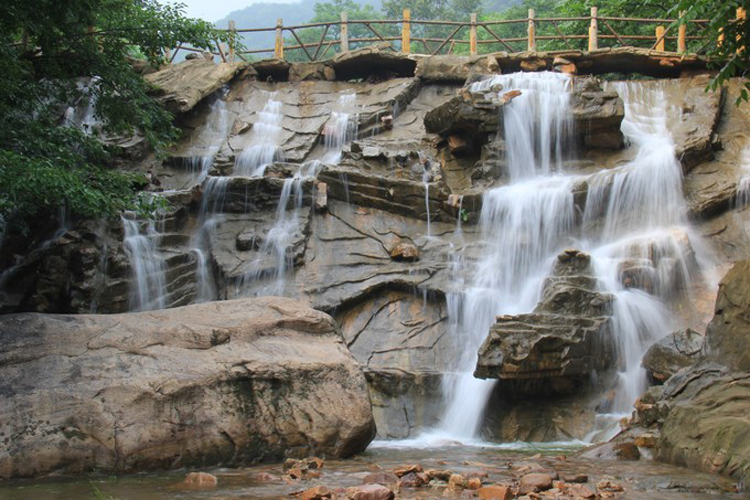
57,52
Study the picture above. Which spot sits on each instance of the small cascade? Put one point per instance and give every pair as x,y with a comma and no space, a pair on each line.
426,180
342,127
742,198
280,238
537,125
264,147
210,138
148,265
82,114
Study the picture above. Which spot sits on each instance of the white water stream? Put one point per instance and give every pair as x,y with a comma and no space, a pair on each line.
526,223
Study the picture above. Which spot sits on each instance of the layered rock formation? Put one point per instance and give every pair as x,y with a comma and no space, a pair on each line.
229,382
556,349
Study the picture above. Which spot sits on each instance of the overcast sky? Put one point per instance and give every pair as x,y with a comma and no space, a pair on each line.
213,10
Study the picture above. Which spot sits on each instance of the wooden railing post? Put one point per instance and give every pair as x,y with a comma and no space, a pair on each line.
406,33
660,45
594,30
682,35
741,15
532,30
344,32
279,49
473,35
233,34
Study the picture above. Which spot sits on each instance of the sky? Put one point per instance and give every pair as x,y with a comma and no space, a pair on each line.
213,10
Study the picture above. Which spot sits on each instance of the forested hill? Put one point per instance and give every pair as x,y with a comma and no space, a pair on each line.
264,15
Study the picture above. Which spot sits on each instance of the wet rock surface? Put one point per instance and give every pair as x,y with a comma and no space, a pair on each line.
229,382
555,349
674,352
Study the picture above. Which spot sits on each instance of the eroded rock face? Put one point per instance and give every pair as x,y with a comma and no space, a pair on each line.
674,352
555,349
455,69
181,86
227,382
728,334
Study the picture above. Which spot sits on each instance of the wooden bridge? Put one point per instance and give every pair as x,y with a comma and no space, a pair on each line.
409,36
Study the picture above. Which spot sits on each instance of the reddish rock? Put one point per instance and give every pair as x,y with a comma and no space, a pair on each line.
407,469
509,96
495,492
479,474
414,480
201,479
457,481
627,451
316,493
474,483
609,486
581,491
535,482
533,64
370,492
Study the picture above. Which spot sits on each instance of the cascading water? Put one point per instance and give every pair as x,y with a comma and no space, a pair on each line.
522,224
264,147
742,197
341,127
149,268
280,237
210,139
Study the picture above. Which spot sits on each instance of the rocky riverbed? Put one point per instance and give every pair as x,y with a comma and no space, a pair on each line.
491,472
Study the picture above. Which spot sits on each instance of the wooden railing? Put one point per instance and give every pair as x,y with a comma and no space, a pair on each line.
439,37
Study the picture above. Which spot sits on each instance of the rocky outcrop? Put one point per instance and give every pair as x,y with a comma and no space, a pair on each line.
671,354
376,61
556,349
230,382
181,86
598,114
455,69
728,333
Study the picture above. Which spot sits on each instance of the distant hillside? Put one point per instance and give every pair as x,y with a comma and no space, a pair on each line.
264,15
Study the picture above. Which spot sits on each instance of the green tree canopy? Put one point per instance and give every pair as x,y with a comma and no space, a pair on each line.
54,53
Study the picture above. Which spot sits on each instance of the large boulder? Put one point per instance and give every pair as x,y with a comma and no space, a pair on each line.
557,348
229,382
598,114
671,354
181,86
728,333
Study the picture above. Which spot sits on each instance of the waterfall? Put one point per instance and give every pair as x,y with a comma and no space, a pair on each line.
149,268
522,226
264,147
281,236
210,138
742,197
341,127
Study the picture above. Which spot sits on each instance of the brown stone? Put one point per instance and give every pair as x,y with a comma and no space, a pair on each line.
534,64
495,492
627,451
370,492
535,482
316,493
457,481
645,440
443,475
201,479
609,486
240,127
405,251
380,477
457,144
407,469
578,478
510,95
413,480
474,483
581,490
